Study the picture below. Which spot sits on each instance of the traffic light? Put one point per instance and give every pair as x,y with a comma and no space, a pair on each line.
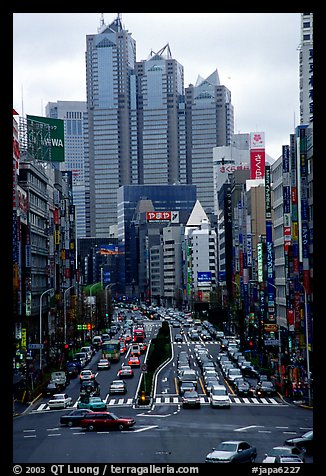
66,346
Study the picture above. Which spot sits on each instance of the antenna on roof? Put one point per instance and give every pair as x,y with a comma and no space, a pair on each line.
102,20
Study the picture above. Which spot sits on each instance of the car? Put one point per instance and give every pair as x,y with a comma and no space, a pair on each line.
51,388
218,397
123,347
143,347
60,378
126,371
248,370
73,418
287,460
188,376
232,451
90,387
191,399
304,441
178,338
118,386
87,375
73,369
134,361
186,387
92,403
283,451
265,389
81,357
60,400
103,364
241,386
233,374
106,421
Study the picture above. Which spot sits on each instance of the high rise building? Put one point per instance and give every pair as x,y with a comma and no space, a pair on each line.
161,115
209,124
306,65
111,123
72,113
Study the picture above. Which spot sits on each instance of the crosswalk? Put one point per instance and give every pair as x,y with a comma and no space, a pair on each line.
176,400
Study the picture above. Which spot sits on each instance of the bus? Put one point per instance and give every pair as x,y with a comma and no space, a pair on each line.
139,335
111,350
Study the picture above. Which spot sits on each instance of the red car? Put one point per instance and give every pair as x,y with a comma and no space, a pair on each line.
134,362
106,421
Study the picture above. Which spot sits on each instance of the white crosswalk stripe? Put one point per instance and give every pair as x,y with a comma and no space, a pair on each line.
176,400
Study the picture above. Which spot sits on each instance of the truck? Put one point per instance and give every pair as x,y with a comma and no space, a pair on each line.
59,378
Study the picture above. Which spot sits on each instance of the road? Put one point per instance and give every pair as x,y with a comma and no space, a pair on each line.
164,432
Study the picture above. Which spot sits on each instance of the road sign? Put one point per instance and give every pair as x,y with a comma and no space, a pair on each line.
35,346
144,368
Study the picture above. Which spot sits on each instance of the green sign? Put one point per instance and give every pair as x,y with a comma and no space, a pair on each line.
45,138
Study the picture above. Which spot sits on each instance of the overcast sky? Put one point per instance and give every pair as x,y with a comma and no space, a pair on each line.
256,56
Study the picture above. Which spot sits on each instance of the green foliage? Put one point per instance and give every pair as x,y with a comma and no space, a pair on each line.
159,352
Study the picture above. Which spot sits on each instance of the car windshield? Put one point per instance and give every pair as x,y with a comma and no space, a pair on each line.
218,392
226,447
308,435
191,394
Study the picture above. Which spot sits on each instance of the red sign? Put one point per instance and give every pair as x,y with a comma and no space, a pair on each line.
257,163
158,216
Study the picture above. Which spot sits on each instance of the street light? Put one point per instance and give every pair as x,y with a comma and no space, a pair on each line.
65,314
108,286
47,291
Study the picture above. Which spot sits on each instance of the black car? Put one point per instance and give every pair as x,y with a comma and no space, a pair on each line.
242,386
265,389
73,418
90,387
73,369
304,441
52,388
191,399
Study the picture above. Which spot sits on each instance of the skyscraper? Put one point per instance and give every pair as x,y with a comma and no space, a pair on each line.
209,123
161,114
111,123
72,113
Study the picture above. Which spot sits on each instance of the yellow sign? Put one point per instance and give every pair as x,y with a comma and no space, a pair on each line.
23,337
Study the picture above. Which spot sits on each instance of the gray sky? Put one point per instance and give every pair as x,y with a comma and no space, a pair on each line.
255,54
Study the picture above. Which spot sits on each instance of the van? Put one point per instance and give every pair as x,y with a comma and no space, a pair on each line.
218,396
97,342
88,351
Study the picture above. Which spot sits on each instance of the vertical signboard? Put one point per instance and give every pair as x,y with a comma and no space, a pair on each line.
257,155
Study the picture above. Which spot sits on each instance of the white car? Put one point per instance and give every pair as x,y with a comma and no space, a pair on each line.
86,374
60,400
103,364
218,397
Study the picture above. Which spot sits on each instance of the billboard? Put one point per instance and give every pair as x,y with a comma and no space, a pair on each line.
45,138
257,155
204,277
161,217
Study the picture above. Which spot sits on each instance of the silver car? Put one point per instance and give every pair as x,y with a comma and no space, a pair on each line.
232,452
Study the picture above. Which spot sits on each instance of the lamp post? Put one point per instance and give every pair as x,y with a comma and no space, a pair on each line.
65,314
45,292
108,286
279,337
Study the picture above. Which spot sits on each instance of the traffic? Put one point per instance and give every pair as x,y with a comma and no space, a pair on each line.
101,389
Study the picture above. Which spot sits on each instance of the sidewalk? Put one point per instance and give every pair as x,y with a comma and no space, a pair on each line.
20,407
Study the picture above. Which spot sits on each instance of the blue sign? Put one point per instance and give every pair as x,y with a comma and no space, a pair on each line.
204,277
